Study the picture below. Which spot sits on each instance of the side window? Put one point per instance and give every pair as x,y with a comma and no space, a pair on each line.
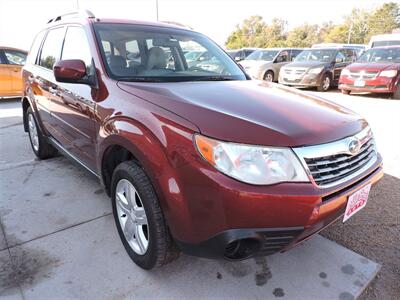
33,53
76,46
283,57
2,58
170,60
51,49
340,55
15,57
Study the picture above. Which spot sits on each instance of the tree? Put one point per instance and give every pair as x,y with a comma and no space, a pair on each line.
338,34
384,19
357,22
303,36
245,34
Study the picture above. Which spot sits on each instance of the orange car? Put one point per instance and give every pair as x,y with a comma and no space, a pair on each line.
11,62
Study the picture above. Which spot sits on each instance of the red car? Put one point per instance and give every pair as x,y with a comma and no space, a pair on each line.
376,71
205,161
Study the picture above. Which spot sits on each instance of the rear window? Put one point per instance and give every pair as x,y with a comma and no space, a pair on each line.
51,50
385,43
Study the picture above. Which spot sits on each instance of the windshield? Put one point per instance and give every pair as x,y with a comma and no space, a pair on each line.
322,55
381,55
267,55
156,54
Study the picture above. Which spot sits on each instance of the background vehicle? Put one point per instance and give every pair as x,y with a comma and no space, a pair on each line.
317,68
11,62
193,159
376,71
360,48
390,39
240,54
265,64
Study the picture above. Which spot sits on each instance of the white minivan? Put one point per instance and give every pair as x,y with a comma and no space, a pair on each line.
390,39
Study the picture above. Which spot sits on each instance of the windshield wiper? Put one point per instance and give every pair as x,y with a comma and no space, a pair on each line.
212,78
140,79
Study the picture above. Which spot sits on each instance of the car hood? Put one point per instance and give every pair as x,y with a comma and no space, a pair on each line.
306,64
373,66
252,112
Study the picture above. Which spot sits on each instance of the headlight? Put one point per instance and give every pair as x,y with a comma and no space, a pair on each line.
315,70
345,72
388,73
252,164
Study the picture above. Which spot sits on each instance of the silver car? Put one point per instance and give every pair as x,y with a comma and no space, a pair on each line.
265,64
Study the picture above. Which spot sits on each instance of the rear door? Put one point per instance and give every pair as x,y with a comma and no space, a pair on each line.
73,109
16,60
5,76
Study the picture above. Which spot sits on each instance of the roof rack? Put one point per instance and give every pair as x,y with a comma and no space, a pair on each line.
81,13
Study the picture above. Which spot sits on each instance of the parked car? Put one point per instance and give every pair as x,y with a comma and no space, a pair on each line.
240,54
390,39
265,64
210,163
318,68
11,62
360,48
376,71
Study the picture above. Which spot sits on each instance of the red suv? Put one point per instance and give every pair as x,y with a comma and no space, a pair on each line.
376,71
198,159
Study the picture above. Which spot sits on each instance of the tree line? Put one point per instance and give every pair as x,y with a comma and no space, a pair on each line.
356,28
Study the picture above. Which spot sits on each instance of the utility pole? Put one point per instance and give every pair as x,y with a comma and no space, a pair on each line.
77,4
156,9
350,30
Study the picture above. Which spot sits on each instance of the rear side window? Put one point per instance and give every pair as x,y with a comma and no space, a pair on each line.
51,50
33,53
15,57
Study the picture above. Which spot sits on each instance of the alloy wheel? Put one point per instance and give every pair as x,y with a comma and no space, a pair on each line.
326,84
33,133
132,216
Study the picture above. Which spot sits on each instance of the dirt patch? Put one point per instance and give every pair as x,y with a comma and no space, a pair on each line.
374,233
26,266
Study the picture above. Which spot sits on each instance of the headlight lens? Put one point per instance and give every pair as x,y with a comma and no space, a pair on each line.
252,164
388,73
315,70
345,72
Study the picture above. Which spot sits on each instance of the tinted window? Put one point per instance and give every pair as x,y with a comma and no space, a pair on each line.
341,55
323,55
51,49
385,43
2,58
295,53
76,46
15,57
33,53
381,55
133,53
267,55
283,56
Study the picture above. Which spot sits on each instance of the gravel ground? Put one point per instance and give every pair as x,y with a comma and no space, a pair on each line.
375,233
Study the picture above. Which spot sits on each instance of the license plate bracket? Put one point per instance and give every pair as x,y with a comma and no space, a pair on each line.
356,202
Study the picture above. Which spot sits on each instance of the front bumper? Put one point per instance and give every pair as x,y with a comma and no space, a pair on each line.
377,85
248,242
305,80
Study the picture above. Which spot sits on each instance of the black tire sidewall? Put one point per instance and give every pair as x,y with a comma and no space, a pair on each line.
265,76
149,259
30,112
323,80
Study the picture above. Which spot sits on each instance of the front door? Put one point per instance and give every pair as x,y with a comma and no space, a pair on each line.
16,59
73,109
5,77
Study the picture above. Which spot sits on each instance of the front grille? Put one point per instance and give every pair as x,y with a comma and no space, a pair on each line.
329,169
298,72
363,75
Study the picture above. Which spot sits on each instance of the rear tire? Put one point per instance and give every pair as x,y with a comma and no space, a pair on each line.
147,240
345,92
396,94
325,83
40,146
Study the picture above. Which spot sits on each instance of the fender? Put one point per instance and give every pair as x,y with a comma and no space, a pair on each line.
149,148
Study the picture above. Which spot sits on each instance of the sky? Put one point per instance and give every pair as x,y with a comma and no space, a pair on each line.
20,20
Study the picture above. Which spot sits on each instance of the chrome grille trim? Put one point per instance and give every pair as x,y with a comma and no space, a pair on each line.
364,75
332,163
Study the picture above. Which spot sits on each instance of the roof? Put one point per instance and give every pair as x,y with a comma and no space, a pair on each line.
11,48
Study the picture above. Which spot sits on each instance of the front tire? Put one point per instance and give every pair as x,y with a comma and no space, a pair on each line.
325,83
40,146
139,219
345,92
269,76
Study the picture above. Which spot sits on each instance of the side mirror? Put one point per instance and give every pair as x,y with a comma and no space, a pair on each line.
338,60
71,71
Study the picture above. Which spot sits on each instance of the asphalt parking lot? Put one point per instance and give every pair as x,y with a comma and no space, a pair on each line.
60,241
